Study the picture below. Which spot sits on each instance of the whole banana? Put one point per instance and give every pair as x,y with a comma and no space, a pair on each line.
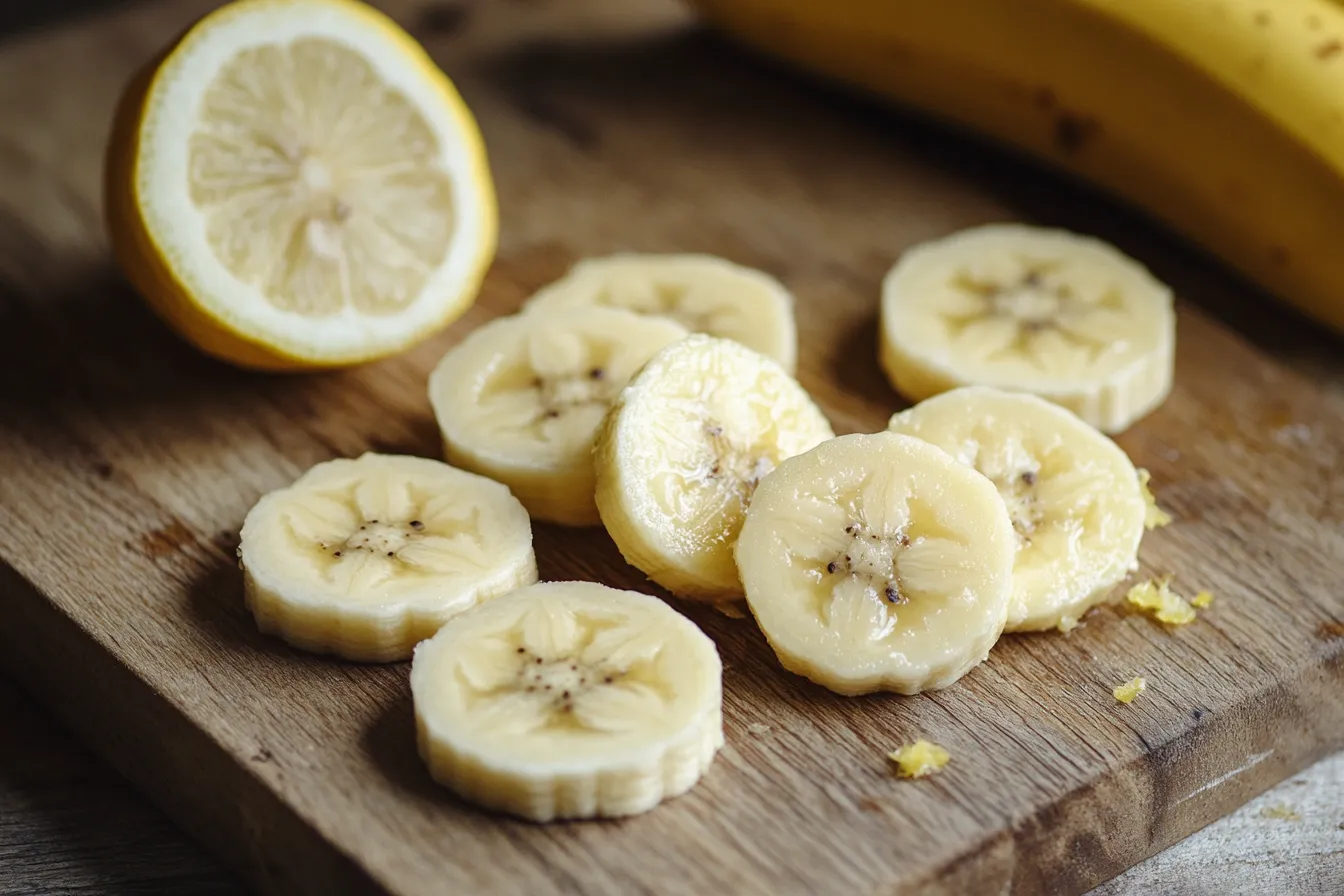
1224,119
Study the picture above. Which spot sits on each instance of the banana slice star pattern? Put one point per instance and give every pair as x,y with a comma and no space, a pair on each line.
569,700
364,558
704,293
519,400
877,562
1059,315
683,449
1072,494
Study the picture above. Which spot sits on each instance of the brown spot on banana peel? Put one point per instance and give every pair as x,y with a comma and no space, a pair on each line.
1074,131
1329,50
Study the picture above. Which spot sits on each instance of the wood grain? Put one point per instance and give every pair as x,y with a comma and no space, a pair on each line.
68,824
128,461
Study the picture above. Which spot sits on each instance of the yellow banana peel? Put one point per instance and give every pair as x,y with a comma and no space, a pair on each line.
1224,119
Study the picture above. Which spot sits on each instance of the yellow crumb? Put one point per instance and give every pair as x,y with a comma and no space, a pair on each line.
919,759
1281,812
1156,596
1126,692
1154,517
1202,599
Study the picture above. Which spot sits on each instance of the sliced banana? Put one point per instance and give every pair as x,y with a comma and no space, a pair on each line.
1072,494
520,398
569,700
704,293
682,451
1063,316
364,558
878,562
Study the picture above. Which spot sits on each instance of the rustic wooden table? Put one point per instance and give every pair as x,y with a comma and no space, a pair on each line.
68,824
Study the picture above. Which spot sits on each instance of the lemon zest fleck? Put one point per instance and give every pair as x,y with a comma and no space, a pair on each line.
1126,692
1154,517
1165,605
919,759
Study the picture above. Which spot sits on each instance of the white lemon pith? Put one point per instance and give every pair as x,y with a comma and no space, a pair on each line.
877,562
704,293
363,558
521,398
682,450
1072,494
302,187
568,700
1063,316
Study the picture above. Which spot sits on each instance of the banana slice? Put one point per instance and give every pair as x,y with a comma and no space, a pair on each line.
520,398
877,562
1045,311
1072,494
569,700
705,293
364,558
682,450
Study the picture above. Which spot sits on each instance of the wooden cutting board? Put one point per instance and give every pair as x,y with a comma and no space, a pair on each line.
127,462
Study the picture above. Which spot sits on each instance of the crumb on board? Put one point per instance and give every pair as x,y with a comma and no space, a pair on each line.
1282,812
1154,517
757,729
1126,692
1067,624
1165,605
1202,599
919,759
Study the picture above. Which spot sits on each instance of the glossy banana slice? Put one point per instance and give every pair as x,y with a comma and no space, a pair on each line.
878,562
520,398
682,451
569,700
1072,494
705,293
1044,311
364,558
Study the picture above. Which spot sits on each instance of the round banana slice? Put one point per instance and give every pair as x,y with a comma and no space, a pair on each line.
1062,316
682,451
1072,494
520,398
705,293
877,562
569,700
364,558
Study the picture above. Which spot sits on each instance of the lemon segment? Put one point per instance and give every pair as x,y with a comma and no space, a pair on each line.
296,184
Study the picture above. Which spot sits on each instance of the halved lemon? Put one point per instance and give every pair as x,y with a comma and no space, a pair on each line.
296,184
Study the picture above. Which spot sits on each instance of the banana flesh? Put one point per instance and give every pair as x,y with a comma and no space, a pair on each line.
682,451
704,293
878,562
1072,494
568,700
364,558
1045,311
520,399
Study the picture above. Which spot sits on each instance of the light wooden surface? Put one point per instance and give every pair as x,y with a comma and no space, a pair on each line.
128,461
70,824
